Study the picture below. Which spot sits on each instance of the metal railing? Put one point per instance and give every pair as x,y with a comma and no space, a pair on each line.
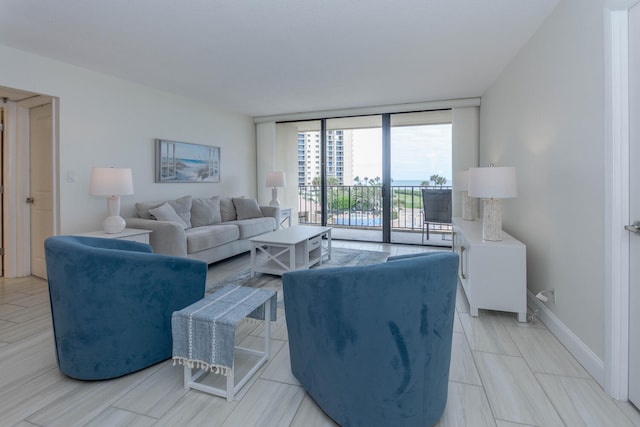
360,206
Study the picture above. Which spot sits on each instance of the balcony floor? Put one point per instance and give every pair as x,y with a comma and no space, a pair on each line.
436,238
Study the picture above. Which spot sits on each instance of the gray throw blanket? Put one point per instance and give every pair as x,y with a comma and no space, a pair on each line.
204,332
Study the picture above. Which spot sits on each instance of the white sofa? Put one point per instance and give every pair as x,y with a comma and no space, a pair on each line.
207,229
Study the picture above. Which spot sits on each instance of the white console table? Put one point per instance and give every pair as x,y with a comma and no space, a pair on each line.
132,234
493,274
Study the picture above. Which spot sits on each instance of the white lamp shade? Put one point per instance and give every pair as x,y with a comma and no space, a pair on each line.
461,181
493,182
111,182
276,179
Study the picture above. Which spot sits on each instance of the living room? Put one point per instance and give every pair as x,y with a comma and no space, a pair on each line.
547,113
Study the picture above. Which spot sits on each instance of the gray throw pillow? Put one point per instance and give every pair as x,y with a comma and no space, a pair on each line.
166,212
205,212
182,206
227,209
247,208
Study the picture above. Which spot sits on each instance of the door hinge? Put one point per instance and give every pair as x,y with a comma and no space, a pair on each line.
1,251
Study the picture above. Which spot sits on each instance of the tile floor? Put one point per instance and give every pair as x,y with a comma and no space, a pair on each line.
503,373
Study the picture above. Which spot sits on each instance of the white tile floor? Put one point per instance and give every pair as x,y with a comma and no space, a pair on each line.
503,373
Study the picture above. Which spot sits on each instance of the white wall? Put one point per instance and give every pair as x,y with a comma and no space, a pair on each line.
545,115
105,121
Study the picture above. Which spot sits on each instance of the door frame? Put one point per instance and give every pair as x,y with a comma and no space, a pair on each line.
17,219
616,138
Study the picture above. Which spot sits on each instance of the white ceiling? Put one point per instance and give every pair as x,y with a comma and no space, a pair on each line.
267,57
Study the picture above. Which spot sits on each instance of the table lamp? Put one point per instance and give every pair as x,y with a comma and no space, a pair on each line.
112,183
492,184
274,180
461,184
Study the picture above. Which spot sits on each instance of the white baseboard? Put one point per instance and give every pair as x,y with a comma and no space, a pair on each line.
583,354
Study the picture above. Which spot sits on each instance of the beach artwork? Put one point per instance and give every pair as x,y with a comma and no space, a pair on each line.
185,162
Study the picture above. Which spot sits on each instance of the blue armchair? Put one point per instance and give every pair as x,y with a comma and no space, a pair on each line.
372,344
111,303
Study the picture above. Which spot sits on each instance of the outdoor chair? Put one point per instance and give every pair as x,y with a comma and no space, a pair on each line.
436,208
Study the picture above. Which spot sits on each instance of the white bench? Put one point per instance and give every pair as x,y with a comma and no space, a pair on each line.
204,334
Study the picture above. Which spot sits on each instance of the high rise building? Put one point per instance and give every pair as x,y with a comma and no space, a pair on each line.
339,146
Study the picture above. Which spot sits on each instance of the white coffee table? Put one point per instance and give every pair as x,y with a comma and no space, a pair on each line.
295,248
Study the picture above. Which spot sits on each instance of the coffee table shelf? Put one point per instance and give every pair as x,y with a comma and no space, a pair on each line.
295,248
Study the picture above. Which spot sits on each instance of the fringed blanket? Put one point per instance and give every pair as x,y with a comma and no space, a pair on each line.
204,332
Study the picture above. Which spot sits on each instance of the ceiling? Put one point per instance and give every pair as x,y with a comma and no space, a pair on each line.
268,57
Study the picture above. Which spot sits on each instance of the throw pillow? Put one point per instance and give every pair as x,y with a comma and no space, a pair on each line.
227,209
247,208
166,212
182,206
205,212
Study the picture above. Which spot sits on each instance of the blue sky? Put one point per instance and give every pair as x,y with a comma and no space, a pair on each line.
417,152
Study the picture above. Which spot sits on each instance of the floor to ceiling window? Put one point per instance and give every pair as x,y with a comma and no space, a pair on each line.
363,175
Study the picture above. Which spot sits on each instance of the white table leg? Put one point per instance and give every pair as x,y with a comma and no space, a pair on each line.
292,257
253,259
267,328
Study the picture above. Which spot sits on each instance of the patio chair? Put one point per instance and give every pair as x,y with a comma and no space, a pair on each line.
436,208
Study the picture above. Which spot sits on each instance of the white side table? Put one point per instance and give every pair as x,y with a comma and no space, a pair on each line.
285,216
493,274
132,234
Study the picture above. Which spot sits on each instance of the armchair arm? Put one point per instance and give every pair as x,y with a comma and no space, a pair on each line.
167,238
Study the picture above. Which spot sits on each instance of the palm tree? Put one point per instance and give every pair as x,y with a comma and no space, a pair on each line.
438,180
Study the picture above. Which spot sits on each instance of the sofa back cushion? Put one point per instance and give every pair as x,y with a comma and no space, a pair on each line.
205,212
227,209
247,208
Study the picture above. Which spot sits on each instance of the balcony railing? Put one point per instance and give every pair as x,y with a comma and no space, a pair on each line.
360,206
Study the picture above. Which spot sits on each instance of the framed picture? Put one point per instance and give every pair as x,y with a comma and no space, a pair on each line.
184,162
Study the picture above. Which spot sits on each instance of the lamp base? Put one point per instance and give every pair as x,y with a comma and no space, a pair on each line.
114,224
274,198
492,220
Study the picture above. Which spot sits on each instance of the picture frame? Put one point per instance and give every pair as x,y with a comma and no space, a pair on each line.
180,162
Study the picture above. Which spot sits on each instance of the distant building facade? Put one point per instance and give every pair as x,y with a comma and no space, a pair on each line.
339,156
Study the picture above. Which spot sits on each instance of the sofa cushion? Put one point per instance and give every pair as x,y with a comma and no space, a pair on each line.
165,212
227,209
247,208
210,236
182,206
254,226
205,211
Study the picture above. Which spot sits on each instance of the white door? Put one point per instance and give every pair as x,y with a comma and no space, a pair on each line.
41,199
2,249
634,200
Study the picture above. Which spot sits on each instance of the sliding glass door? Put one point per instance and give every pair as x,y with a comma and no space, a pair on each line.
354,177
420,164
364,175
